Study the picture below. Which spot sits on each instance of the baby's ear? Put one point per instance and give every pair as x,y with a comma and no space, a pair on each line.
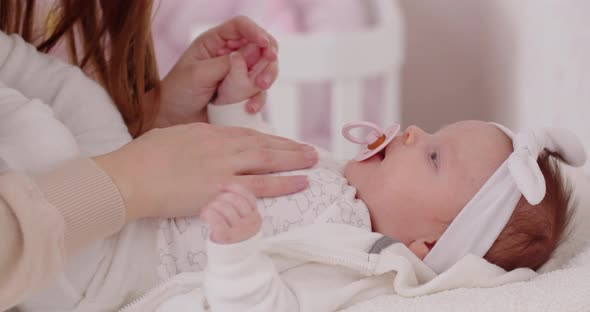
421,247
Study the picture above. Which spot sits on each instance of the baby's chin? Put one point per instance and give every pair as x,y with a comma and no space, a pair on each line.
354,172
349,169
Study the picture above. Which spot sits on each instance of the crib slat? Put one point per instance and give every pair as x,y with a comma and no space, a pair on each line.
347,106
283,109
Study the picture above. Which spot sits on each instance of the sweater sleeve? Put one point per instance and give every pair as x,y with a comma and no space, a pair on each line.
47,217
239,277
77,101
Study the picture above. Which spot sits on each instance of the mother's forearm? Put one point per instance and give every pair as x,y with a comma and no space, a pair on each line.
165,115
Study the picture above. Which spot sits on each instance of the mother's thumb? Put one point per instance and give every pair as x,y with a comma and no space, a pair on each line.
212,70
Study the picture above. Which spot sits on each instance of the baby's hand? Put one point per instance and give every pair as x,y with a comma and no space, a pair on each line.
232,216
239,84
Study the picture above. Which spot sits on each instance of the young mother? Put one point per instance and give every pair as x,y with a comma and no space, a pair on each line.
171,171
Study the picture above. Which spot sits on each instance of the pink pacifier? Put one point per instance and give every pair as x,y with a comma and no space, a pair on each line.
374,141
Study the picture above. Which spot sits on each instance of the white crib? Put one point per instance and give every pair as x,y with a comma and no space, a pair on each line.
344,60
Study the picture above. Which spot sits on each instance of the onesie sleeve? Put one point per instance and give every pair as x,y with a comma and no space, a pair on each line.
240,277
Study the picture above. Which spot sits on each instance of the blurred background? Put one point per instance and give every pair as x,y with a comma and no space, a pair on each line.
429,63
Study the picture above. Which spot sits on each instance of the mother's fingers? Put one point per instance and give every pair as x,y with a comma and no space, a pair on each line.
271,53
240,132
257,69
266,160
272,186
235,44
243,27
268,76
242,144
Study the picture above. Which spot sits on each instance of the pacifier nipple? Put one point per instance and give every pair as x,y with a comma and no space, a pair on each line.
373,142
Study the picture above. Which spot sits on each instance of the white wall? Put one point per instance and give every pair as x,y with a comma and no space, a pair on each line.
496,60
553,72
522,63
459,55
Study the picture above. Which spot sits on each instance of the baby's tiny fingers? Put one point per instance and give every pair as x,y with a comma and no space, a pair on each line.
244,192
229,212
258,68
253,220
239,203
212,217
220,232
247,228
268,76
271,53
256,102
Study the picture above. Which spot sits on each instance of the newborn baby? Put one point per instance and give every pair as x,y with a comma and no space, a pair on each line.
411,192
416,186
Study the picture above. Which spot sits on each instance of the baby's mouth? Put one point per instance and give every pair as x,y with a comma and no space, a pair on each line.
381,154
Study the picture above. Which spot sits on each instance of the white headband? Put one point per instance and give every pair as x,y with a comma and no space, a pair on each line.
478,225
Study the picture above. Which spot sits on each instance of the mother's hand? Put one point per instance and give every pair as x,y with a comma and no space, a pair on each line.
175,171
192,82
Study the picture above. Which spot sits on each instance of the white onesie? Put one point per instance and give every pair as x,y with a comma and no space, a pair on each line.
329,198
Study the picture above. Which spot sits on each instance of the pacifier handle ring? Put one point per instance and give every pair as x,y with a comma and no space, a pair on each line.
360,124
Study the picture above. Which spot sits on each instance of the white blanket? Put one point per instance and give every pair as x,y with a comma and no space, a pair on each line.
563,290
184,292
563,286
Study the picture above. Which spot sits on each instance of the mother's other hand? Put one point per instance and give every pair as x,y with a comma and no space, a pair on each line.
175,171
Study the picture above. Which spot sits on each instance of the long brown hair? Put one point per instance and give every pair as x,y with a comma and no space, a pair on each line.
109,40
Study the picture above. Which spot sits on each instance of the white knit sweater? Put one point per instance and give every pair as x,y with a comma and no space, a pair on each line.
51,112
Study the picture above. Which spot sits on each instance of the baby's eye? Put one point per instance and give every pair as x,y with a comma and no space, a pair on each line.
434,158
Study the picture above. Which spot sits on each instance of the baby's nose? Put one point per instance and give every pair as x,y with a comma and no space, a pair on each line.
412,134
408,138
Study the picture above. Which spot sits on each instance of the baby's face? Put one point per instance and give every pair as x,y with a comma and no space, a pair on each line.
420,181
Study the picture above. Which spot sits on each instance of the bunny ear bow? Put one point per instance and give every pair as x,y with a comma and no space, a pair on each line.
479,223
528,145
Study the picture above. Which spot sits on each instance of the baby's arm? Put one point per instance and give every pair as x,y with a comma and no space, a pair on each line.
239,277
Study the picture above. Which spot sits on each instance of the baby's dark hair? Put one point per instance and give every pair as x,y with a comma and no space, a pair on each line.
534,232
